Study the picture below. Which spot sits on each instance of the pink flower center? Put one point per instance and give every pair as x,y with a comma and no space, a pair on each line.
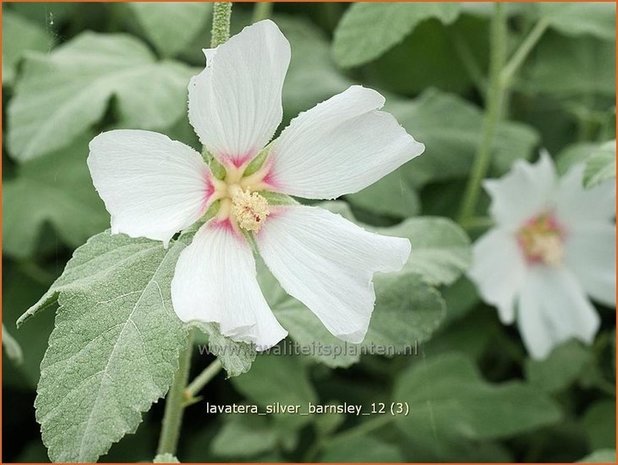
542,240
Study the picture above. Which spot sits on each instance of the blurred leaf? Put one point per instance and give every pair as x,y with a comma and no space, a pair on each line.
450,128
567,67
453,58
171,27
115,346
312,76
11,347
278,379
407,312
449,399
461,298
367,30
573,19
574,154
390,196
600,423
20,290
601,165
62,94
20,36
560,369
244,436
56,189
440,248
360,449
165,458
600,456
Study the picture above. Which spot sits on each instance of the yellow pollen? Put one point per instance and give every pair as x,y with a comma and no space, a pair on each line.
541,241
250,209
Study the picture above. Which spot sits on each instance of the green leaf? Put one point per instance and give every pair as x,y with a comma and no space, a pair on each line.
312,76
601,165
407,312
62,94
449,399
367,30
20,37
114,349
363,448
244,436
171,27
600,423
600,456
56,189
165,458
440,249
575,19
567,67
390,196
235,357
11,347
450,128
560,369
278,379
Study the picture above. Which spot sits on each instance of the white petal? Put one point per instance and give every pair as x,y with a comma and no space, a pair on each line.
152,186
590,252
552,309
498,269
328,263
339,147
215,282
576,205
527,190
235,103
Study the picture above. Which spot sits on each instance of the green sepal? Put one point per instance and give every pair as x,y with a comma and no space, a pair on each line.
276,198
216,168
257,162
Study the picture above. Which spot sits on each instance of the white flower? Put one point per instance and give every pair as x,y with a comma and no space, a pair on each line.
154,187
554,242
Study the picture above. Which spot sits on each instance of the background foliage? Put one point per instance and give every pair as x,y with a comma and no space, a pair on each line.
72,70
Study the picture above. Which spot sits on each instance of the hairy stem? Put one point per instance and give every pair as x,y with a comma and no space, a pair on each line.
174,404
495,95
203,379
222,12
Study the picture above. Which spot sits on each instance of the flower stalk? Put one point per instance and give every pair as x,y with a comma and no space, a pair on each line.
501,75
174,405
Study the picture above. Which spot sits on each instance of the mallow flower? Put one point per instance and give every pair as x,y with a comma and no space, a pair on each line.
154,187
553,246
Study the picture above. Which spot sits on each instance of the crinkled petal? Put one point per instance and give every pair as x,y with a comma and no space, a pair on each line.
328,263
498,269
576,205
235,103
552,309
152,186
590,253
215,282
339,147
527,190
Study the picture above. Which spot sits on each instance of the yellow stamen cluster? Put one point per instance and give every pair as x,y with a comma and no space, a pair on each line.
250,209
541,241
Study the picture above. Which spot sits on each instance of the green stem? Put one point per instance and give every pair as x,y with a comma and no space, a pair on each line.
518,58
262,10
203,379
221,15
477,222
495,95
174,404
